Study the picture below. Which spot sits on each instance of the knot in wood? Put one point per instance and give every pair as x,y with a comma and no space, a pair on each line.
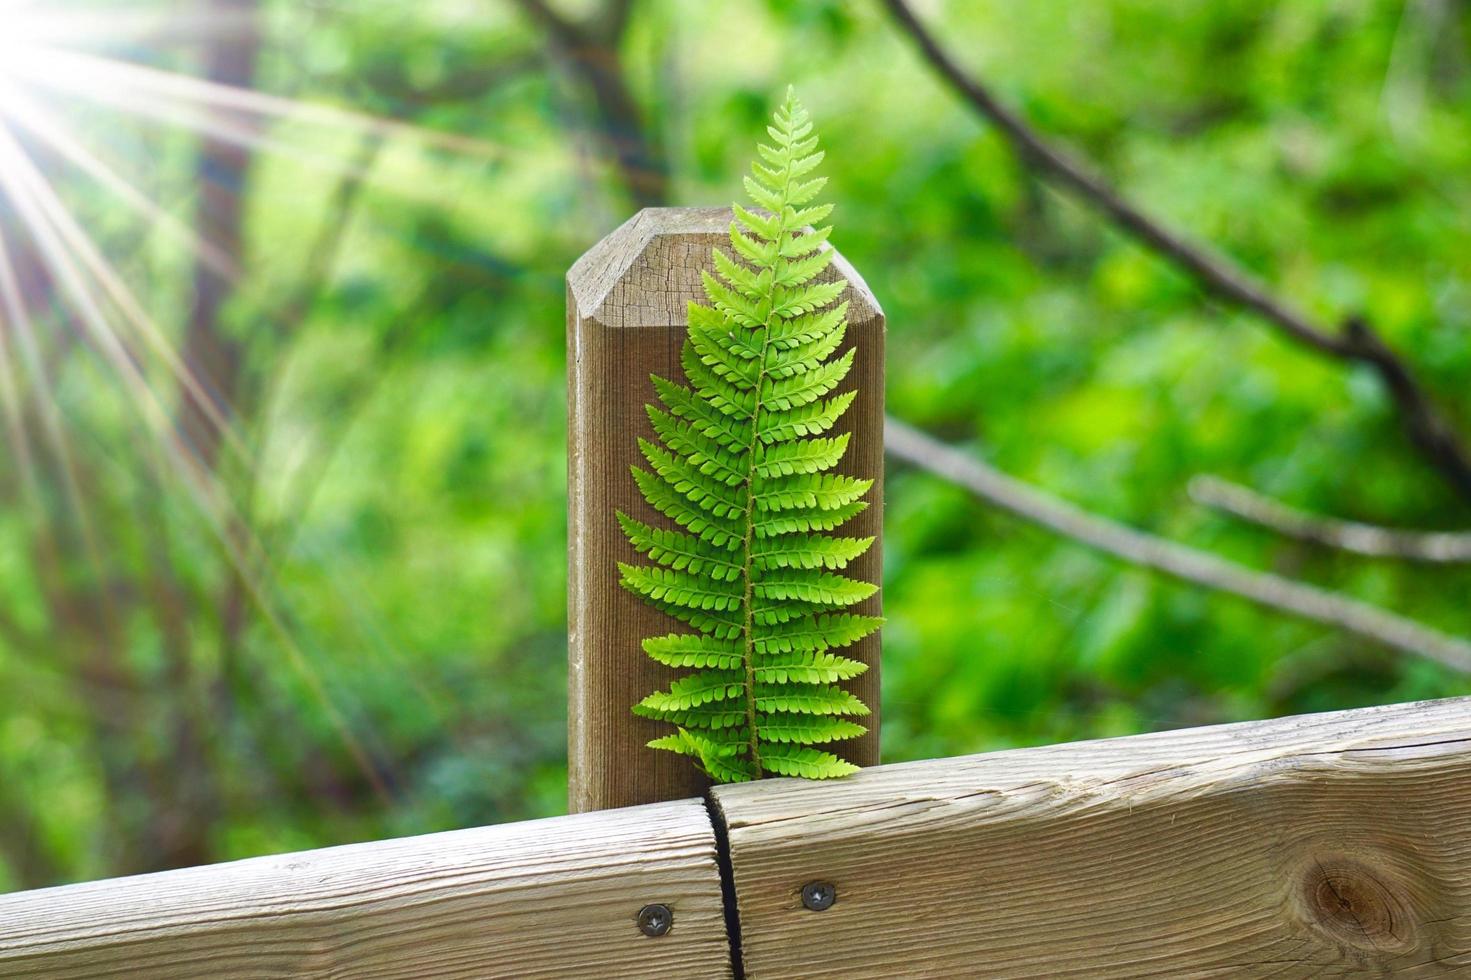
1357,907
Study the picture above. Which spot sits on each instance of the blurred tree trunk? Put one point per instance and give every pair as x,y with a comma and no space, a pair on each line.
209,351
214,357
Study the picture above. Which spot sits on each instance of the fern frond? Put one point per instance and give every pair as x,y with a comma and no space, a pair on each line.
742,468
807,356
686,477
678,588
677,507
825,491
806,329
719,624
689,441
807,387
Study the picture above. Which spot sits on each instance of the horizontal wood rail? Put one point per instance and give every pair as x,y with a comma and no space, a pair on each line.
545,898
1323,845
1316,846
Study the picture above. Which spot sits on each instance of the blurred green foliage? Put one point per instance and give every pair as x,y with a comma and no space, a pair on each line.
408,474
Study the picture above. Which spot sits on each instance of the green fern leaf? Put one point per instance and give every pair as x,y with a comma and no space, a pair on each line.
742,468
808,668
697,689
808,701
807,456
707,718
811,586
809,420
817,633
732,434
807,729
791,760
679,551
708,454
806,329
807,551
687,650
771,525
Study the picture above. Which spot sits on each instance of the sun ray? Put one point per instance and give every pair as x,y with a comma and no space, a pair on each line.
10,401
95,292
189,117
41,63
26,172
208,503
65,272
12,301
23,110
30,24
193,119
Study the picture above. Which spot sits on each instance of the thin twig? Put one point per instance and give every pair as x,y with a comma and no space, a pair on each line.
1330,532
1189,564
1356,342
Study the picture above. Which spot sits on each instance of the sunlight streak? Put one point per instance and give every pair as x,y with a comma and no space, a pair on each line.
10,401
65,270
24,170
12,302
24,111
13,168
247,135
41,71
31,23
79,71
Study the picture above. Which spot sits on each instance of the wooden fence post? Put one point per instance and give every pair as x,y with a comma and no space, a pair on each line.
626,309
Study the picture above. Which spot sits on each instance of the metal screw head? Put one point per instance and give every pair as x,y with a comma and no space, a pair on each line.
655,920
819,895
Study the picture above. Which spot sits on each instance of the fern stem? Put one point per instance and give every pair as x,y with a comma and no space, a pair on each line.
751,476
746,571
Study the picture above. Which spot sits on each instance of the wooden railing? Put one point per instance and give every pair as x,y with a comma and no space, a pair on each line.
1327,845
1323,845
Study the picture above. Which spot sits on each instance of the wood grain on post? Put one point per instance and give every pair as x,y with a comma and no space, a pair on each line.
626,317
546,898
1329,845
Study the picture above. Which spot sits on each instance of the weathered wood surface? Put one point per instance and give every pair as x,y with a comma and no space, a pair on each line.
546,898
626,316
1321,846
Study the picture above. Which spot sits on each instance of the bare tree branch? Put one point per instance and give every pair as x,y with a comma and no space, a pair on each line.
1189,564
592,55
1356,342
1330,532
